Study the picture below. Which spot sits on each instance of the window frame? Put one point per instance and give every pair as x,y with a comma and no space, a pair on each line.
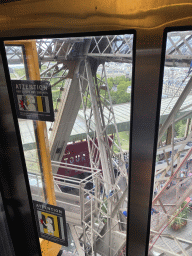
143,131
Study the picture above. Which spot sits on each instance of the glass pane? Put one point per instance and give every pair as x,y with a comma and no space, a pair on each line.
171,207
15,59
91,80
19,71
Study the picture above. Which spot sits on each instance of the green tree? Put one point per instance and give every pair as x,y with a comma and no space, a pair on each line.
180,128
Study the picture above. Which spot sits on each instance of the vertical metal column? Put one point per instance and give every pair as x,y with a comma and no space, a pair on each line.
33,68
143,141
172,144
103,154
47,247
14,184
187,127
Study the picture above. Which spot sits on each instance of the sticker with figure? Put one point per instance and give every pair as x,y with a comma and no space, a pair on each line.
27,102
51,222
33,99
48,226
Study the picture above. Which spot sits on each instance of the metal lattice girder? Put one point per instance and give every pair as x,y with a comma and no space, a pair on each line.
54,53
102,222
175,80
65,119
108,48
101,149
67,113
172,245
170,189
180,146
56,48
178,55
56,58
14,54
104,154
102,146
164,173
179,48
175,109
173,193
169,193
112,48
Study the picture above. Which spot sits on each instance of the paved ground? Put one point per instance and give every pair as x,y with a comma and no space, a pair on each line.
169,197
185,233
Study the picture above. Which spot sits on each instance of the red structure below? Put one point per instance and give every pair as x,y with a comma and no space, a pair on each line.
77,154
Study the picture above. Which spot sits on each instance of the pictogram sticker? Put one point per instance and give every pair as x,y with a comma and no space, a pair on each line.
33,99
51,222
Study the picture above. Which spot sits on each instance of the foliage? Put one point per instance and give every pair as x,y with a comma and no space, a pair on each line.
180,128
17,73
104,206
181,217
124,140
164,136
118,90
55,96
104,210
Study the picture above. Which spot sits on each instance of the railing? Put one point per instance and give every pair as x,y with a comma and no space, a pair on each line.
67,189
98,216
94,207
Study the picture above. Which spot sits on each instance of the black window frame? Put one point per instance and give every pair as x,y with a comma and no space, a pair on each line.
145,113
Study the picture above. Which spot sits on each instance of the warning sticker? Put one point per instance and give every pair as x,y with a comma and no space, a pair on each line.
51,222
33,99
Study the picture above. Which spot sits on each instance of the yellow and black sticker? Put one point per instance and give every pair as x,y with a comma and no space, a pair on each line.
51,222
33,99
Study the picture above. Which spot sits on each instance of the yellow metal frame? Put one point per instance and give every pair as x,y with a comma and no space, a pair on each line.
47,248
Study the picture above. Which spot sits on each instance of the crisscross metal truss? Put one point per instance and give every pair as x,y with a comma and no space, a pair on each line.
57,56
56,48
14,54
107,47
179,48
102,146
172,185
112,48
172,245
